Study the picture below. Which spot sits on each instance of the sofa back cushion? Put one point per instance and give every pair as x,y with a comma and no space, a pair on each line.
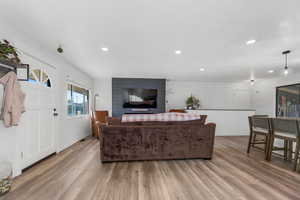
117,121
161,117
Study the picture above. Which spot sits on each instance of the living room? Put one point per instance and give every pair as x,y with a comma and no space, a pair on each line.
149,100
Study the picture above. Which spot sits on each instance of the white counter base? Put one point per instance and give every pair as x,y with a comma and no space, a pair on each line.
228,122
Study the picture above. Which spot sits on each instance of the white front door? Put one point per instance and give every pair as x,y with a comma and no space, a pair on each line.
37,127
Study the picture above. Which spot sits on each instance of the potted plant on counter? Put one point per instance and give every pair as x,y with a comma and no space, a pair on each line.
192,103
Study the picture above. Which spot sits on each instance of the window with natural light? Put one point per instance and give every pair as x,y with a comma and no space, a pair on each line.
78,100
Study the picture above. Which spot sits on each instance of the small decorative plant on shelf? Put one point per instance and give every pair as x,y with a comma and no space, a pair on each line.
9,57
8,52
192,103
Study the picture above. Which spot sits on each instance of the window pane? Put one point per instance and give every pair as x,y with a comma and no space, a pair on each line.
70,101
32,78
37,73
44,77
78,103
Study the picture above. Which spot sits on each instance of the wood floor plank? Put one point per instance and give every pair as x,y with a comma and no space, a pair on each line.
78,174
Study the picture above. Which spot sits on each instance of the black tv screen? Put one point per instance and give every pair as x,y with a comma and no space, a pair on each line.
139,98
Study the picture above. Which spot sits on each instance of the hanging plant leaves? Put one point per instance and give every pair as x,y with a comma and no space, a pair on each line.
8,52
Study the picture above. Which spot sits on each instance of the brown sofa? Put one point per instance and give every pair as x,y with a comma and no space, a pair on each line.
156,140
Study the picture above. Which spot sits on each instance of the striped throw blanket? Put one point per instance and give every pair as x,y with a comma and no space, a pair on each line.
160,117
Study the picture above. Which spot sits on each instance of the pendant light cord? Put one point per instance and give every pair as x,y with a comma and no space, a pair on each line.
286,65
286,58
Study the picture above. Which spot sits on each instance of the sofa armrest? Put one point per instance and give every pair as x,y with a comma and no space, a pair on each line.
211,124
203,118
98,125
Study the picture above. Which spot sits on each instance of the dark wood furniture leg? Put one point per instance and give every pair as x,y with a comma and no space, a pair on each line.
290,150
254,139
297,154
285,149
267,149
272,139
250,141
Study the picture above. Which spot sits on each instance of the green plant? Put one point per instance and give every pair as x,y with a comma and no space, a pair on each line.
192,102
8,52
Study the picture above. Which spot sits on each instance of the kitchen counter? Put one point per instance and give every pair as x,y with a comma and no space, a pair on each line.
228,121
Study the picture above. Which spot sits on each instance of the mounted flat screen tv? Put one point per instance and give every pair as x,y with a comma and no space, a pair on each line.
139,98
288,101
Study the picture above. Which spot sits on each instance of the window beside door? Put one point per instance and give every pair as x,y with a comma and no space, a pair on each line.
78,100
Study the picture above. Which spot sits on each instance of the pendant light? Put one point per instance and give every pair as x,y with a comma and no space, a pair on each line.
286,69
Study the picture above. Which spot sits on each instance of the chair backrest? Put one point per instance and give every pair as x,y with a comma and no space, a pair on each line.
261,122
260,115
101,116
289,126
251,119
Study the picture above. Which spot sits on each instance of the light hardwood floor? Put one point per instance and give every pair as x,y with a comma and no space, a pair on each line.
77,173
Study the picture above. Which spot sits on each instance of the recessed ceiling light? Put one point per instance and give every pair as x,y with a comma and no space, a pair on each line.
104,49
249,42
271,71
177,52
202,69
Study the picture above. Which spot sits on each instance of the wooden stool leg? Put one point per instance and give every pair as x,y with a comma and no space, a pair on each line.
271,145
267,147
254,139
285,149
297,154
250,141
290,150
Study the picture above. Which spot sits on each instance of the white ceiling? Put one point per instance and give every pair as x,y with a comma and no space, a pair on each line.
143,34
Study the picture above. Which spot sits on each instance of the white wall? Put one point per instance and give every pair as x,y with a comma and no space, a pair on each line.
70,130
228,122
211,95
103,87
75,128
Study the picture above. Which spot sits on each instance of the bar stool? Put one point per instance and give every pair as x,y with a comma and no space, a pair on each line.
259,125
287,130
